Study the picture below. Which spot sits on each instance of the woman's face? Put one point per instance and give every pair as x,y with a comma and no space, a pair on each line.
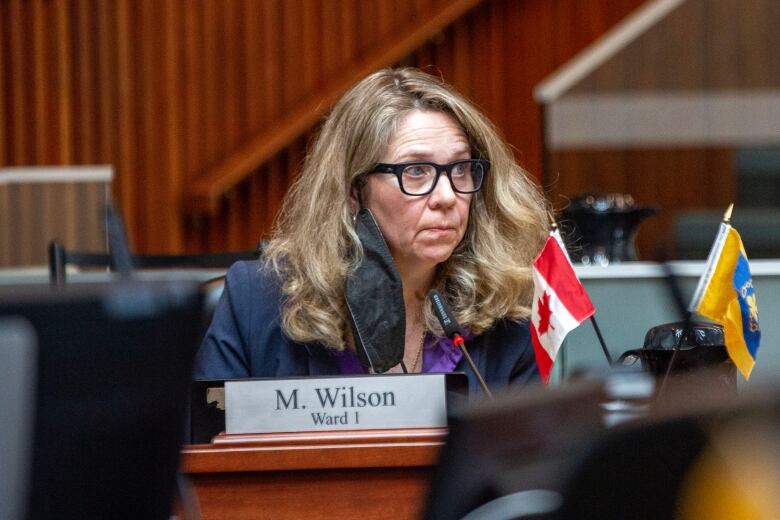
421,231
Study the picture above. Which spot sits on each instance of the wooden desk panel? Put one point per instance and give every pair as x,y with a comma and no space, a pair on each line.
350,474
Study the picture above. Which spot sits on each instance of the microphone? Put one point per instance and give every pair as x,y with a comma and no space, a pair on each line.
452,331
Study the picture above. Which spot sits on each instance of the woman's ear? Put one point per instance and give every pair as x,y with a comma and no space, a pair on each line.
356,197
353,201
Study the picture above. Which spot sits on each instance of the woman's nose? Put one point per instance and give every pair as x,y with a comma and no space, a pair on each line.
442,194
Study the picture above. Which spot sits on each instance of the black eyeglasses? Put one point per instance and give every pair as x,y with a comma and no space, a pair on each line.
420,178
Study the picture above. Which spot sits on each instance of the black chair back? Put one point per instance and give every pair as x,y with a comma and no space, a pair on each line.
60,258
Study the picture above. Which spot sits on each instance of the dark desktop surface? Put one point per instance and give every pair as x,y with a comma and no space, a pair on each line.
114,364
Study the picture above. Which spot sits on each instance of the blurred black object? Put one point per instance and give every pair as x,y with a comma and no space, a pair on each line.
114,365
701,348
505,458
634,472
554,455
682,460
604,227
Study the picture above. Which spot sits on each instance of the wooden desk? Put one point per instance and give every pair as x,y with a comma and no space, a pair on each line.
345,474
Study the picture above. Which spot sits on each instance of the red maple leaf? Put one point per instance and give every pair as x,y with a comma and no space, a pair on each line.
544,313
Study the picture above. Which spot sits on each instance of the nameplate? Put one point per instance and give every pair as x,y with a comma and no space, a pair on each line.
335,403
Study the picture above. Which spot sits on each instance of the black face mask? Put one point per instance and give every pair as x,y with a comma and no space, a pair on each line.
375,300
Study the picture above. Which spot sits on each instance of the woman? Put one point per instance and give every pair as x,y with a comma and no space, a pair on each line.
455,210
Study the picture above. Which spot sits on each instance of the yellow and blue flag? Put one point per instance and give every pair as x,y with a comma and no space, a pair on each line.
725,294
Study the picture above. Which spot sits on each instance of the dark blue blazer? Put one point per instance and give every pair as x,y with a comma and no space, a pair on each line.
245,339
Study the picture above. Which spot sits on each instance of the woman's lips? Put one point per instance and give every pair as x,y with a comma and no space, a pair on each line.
439,231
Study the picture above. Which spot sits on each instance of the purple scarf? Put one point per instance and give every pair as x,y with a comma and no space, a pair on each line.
439,355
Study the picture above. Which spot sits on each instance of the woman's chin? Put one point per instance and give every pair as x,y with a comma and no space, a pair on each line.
436,256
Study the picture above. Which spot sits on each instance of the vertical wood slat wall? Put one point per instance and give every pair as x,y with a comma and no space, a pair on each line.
162,90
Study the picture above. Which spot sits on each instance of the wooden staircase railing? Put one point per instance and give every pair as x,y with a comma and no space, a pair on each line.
204,194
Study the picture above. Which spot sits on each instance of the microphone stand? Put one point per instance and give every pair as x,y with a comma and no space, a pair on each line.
461,344
674,288
452,330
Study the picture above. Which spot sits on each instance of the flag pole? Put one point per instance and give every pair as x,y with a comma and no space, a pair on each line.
592,318
687,314
601,340
727,214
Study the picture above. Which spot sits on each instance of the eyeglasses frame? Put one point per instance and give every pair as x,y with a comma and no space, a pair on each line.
398,168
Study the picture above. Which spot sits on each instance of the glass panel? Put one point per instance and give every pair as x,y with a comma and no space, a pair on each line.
40,204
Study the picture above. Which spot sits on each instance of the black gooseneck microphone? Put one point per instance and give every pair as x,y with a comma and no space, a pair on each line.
452,331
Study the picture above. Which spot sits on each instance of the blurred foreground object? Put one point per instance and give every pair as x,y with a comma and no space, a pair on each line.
18,352
559,454
736,475
689,458
113,369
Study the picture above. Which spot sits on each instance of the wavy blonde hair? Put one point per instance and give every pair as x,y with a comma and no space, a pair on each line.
314,245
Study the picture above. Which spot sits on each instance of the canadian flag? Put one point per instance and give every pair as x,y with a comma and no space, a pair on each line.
560,302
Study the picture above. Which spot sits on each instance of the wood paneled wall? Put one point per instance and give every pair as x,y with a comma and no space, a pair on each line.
164,90
703,45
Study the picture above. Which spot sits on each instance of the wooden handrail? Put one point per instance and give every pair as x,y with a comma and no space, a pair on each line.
204,193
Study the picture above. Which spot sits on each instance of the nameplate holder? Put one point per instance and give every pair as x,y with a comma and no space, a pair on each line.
335,403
